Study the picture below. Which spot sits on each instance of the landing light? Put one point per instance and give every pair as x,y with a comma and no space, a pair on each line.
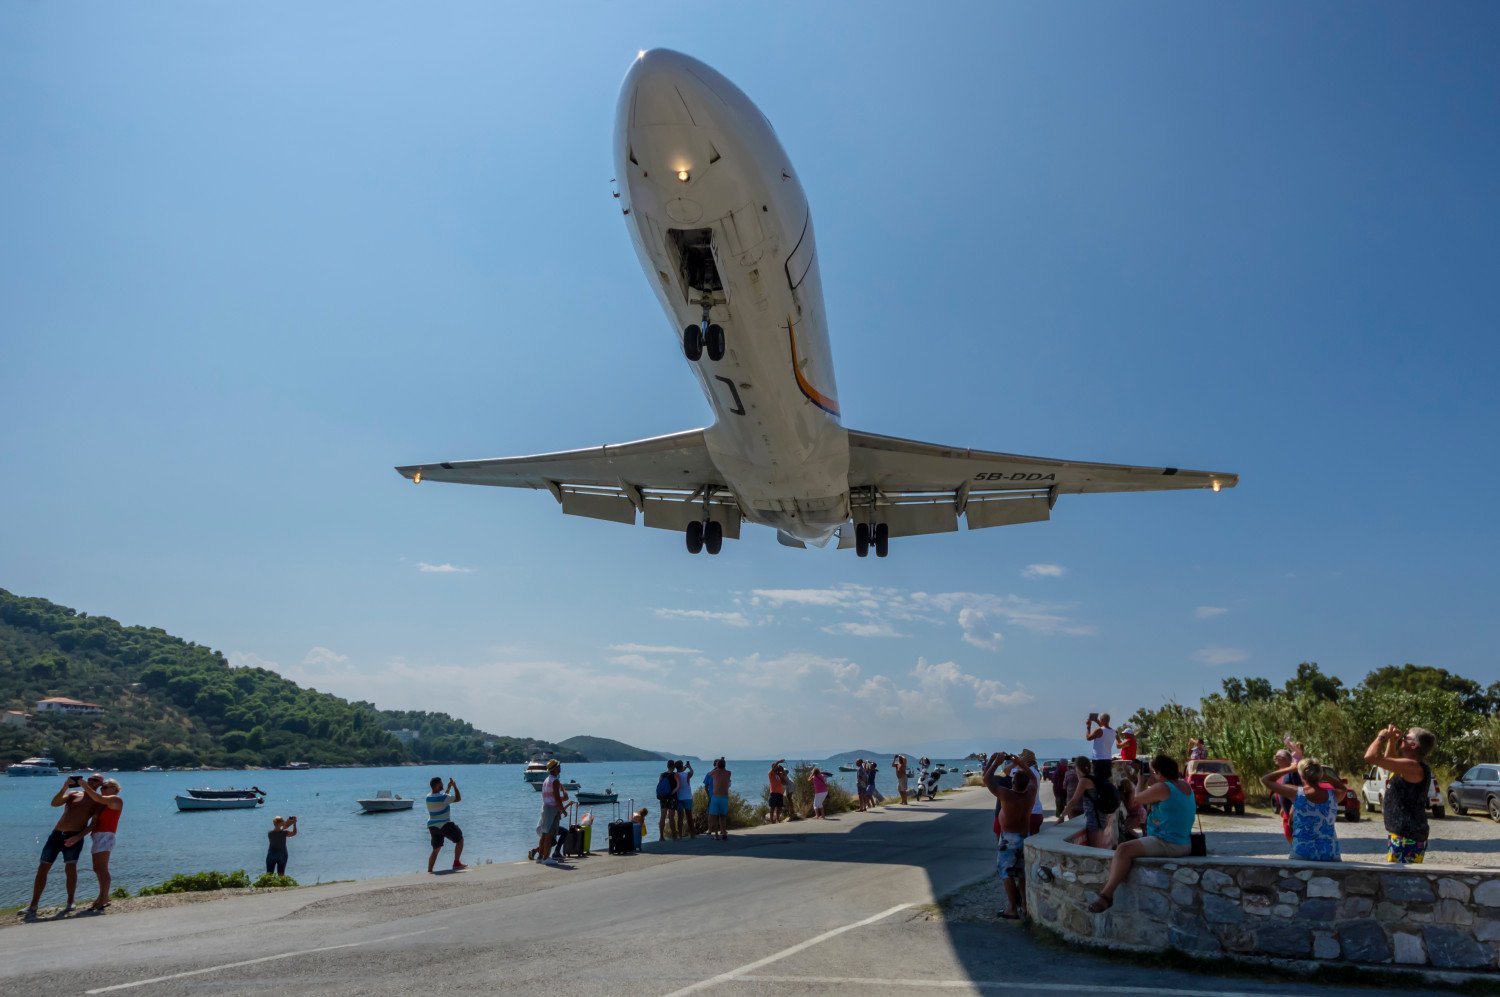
682,175
416,479
1216,486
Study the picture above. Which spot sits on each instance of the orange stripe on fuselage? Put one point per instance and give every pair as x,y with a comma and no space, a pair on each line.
822,401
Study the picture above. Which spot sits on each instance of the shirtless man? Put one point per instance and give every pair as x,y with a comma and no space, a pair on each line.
66,840
718,803
1016,793
899,762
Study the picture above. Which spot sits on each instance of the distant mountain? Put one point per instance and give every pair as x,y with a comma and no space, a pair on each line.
849,756
602,749
171,702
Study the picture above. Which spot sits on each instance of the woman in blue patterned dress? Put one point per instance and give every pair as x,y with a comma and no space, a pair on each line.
1314,808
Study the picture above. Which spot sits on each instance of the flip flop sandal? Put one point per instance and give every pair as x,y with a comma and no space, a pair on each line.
1008,917
1101,905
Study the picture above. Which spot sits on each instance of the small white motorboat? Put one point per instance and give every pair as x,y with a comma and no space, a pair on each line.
608,796
33,766
571,785
385,802
230,803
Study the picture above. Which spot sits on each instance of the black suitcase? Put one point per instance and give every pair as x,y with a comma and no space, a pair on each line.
574,843
621,838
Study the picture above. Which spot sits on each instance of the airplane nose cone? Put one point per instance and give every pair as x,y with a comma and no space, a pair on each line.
664,89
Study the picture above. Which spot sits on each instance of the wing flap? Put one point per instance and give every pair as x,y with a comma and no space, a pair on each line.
893,465
679,460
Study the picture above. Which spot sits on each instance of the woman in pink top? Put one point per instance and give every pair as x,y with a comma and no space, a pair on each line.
820,792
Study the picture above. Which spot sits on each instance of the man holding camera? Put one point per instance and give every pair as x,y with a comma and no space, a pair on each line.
1016,792
66,840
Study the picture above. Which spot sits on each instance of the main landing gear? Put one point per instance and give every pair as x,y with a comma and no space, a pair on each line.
704,336
864,536
707,536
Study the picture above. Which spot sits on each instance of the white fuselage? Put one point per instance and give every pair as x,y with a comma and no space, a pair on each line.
715,209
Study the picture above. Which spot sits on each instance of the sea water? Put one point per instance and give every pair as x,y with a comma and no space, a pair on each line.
335,840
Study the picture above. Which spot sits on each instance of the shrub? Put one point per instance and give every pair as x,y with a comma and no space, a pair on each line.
799,796
272,881
199,882
119,893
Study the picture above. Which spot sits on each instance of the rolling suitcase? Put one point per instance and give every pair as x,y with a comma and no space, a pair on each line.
621,838
574,843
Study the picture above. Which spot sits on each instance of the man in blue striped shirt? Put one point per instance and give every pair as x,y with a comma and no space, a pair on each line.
440,824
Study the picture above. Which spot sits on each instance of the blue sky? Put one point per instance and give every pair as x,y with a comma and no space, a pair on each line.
253,257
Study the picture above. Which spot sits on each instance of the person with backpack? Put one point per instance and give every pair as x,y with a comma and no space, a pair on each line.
666,800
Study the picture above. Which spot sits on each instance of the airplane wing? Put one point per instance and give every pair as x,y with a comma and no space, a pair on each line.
666,478
925,487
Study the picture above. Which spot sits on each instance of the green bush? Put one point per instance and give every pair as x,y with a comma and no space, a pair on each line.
119,893
799,796
272,881
199,882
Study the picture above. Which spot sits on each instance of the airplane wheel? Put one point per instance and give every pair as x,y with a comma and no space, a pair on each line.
713,341
713,537
692,342
694,537
882,540
862,539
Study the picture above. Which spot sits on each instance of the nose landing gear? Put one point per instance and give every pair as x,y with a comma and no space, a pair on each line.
704,336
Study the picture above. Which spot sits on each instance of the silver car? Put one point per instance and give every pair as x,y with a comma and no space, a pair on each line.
1478,789
1374,791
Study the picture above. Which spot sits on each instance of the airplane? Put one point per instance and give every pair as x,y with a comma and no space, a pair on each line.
722,229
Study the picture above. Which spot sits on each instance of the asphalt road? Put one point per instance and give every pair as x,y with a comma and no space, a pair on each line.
836,907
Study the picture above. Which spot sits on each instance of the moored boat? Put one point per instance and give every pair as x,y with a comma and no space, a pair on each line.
227,794
608,796
536,770
570,785
39,765
385,802
233,803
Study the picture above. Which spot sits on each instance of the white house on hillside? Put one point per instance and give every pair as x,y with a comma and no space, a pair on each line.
15,718
72,707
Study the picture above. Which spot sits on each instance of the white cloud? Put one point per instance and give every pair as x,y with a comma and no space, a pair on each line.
444,569
851,629
976,629
652,649
1209,612
844,596
249,659
987,693
1044,571
733,619
323,657
1218,656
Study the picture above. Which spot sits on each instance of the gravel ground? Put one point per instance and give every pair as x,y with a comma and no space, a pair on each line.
1470,841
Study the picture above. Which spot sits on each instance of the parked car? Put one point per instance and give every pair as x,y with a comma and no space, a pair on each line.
1478,788
1374,791
1350,803
1216,784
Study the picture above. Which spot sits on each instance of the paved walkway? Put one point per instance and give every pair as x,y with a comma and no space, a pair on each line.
838,907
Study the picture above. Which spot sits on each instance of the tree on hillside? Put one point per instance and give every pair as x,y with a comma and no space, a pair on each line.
1250,689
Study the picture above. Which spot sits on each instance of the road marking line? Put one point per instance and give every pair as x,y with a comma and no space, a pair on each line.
1003,985
777,956
252,962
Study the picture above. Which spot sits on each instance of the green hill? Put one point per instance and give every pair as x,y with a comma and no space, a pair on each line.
172,702
602,749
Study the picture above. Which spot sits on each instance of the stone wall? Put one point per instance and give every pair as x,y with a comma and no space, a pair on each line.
1433,917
